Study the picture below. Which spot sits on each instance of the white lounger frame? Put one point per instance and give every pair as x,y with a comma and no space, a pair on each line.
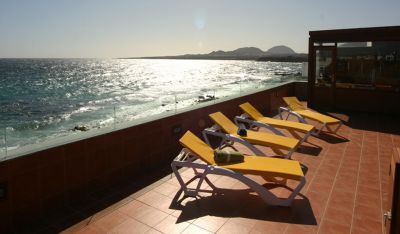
228,139
187,159
303,120
244,118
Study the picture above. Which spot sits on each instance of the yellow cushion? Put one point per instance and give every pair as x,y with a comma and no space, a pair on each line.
226,124
318,117
198,147
294,103
253,113
255,165
290,125
270,140
271,167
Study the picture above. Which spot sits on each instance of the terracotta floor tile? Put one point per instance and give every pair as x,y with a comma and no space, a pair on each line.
346,172
130,226
173,181
131,207
111,220
367,211
153,231
318,203
332,163
328,227
349,185
91,229
157,200
189,213
239,186
225,182
342,215
210,223
322,188
326,180
189,173
350,164
152,217
361,189
77,226
263,226
341,196
143,213
171,225
167,189
301,229
237,225
364,224
369,199
193,229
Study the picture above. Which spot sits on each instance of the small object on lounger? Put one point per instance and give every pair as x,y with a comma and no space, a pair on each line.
223,156
242,130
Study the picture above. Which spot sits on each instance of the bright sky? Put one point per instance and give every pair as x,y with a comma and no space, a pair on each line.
129,28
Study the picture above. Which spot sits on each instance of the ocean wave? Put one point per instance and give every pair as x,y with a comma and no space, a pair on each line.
42,99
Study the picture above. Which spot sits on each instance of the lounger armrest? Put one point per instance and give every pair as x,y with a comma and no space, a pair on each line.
290,112
283,109
214,131
242,119
254,123
250,146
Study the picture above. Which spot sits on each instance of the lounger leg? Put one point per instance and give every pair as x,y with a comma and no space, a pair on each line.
273,179
174,166
289,154
336,129
296,191
305,138
267,196
185,159
203,177
281,109
319,130
208,181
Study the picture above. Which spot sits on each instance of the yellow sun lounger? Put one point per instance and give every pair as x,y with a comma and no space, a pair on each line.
296,108
275,142
258,120
274,168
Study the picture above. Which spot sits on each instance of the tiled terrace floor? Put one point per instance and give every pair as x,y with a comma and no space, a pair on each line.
344,193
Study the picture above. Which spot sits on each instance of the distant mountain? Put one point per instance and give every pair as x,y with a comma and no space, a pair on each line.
245,51
279,50
276,53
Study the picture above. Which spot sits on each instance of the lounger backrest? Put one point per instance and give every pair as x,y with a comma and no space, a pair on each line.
251,111
227,125
294,103
198,147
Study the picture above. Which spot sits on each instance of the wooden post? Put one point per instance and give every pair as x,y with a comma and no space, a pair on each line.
391,216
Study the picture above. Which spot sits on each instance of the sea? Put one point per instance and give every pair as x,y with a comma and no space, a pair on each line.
43,99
